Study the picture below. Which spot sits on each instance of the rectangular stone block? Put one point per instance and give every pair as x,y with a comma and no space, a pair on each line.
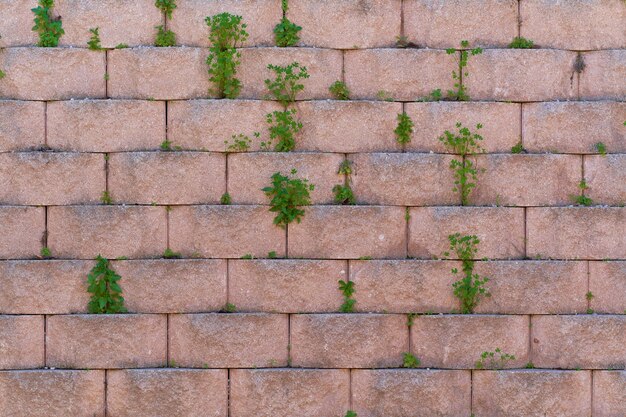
609,393
576,232
607,283
22,125
606,178
286,285
375,231
21,231
106,341
52,73
105,125
499,229
289,392
585,341
225,231
52,393
111,231
400,74
531,393
229,340
348,340
171,392
21,342
46,178
17,22
436,339
604,74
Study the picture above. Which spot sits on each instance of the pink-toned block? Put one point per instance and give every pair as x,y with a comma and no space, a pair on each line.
21,342
607,283
606,179
17,22
21,231
604,74
22,125
229,340
609,393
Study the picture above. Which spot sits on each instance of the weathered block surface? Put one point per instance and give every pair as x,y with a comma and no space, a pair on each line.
229,340
606,179
21,231
21,342
16,24
607,283
22,125
603,77
609,393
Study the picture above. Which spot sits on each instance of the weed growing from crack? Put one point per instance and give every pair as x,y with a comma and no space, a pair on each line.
348,290
288,196
106,292
227,32
94,42
49,29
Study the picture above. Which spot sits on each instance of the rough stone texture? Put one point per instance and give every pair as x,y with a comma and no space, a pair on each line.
531,393
172,285
348,341
402,74
289,392
457,341
500,131
206,124
431,23
52,73
500,230
607,283
533,287
202,231
375,231
112,231
419,179
320,169
42,178
506,178
351,24
286,285
168,392
16,24
324,67
609,393
576,232
604,74
578,25
411,392
167,177
21,230
348,126
129,22
522,75
574,127
158,73
105,125
47,393
606,179
403,286
106,341
22,125
188,20
585,341
44,287
21,342
229,340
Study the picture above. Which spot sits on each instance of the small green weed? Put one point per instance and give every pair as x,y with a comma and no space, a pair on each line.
461,91
521,43
286,83
226,32
106,198
529,365
384,95
339,90
601,148
166,145
247,256
494,360
348,290
582,199
272,255
589,296
283,128
225,200
350,413
471,287
409,360
106,292
166,6
2,74
405,129
343,193
94,41
286,32
240,143
164,38
518,148
121,46
288,196
170,254
50,30
229,308
45,252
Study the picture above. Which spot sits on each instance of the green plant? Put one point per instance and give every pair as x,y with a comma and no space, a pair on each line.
518,148
286,32
493,360
121,46
166,145
45,252
589,296
50,30
286,85
348,290
2,74
339,90
225,200
247,256
384,95
365,258
164,37
283,128
94,41
409,360
345,168
350,413
471,287
287,197
226,32
404,130
106,198
590,311
241,143
166,6
344,194
582,199
601,148
521,43
461,91
465,144
229,308
106,293
170,254
529,365
272,255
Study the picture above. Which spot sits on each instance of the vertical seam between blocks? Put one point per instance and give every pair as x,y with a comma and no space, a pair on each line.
519,18
44,238
521,124
588,285
591,393
45,124
289,347
350,389
107,155
106,392
167,228
287,241
530,338
401,18
45,340
106,73
343,66
226,172
471,392
407,230
167,340
227,282
525,232
228,399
